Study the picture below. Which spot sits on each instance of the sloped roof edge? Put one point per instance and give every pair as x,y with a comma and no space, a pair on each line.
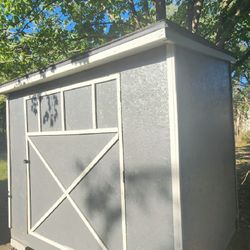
152,36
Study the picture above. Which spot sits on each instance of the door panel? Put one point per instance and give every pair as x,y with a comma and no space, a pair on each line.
75,177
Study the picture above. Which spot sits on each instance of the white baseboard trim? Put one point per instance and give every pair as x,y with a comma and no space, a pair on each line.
17,245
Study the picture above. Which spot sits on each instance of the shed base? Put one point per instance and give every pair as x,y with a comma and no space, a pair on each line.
17,245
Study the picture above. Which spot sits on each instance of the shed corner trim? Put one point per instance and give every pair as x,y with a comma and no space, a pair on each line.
174,146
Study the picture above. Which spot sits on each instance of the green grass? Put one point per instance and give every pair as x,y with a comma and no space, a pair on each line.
3,158
3,170
243,139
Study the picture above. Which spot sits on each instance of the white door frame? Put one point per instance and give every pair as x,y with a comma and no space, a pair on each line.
118,136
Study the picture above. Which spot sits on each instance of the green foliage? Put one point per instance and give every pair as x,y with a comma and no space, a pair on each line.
35,34
245,138
240,105
3,170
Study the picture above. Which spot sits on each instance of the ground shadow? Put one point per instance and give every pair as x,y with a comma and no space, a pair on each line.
241,239
243,153
4,230
97,196
243,181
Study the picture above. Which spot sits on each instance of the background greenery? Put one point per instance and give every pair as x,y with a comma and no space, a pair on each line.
3,164
3,170
38,33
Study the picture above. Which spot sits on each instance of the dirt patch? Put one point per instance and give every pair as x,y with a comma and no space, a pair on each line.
6,247
5,232
242,238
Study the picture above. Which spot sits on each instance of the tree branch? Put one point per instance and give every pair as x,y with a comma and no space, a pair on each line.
134,12
30,21
227,21
189,16
243,58
145,6
196,14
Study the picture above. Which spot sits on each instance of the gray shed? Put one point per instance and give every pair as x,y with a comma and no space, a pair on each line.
127,147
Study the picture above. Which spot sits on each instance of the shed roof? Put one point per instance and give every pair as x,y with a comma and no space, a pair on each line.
157,34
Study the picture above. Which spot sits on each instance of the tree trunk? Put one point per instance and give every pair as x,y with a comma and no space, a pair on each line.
189,17
145,6
194,9
134,12
160,6
196,14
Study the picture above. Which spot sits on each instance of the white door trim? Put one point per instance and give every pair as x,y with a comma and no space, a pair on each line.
94,130
122,169
9,163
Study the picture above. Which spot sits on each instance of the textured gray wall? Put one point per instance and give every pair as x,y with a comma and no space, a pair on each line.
78,108
206,151
18,178
146,155
106,105
32,114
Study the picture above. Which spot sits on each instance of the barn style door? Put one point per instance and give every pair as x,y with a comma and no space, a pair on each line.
75,170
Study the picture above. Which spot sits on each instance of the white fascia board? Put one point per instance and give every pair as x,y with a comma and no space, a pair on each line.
130,47
186,42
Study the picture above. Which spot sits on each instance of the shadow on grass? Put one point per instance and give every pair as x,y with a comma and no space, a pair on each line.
243,153
4,230
241,239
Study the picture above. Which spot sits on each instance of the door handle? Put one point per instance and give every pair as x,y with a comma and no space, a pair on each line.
26,161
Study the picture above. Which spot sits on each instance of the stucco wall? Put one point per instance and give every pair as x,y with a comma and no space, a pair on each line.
146,152
206,151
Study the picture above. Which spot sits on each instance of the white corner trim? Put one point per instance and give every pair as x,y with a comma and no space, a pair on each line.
17,245
133,46
122,167
174,146
9,164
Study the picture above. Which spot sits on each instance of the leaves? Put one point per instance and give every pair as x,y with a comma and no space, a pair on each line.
37,33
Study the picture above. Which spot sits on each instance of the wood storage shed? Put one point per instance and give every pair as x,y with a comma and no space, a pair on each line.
127,147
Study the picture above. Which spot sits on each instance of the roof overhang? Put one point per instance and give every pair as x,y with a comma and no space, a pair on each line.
139,41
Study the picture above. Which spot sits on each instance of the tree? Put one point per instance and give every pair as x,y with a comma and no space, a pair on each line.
225,23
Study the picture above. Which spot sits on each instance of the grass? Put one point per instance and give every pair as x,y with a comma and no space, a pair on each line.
3,170
3,157
243,139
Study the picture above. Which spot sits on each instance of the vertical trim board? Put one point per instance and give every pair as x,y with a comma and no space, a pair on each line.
38,114
174,146
9,164
121,159
93,98
27,165
62,111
